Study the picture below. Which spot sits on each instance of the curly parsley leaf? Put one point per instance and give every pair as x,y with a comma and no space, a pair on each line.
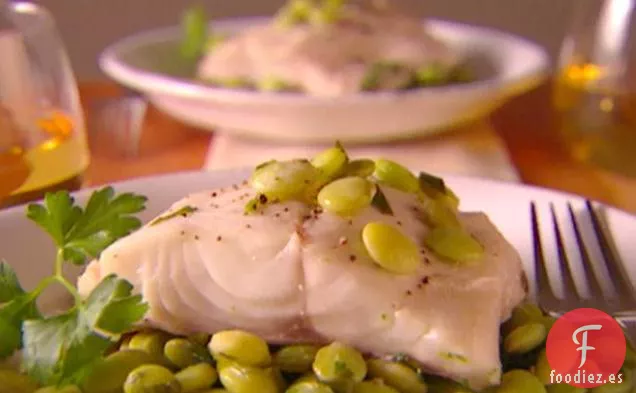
81,234
64,349
16,305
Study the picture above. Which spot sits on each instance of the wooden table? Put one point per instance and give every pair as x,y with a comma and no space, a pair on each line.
524,123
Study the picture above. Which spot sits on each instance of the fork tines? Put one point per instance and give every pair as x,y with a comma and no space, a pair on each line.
624,296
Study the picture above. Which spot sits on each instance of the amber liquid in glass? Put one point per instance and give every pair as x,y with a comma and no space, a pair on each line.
596,121
57,161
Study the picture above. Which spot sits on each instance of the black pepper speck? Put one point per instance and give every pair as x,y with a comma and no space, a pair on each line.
219,238
286,209
248,226
235,187
277,215
424,280
399,223
262,198
196,237
214,194
182,233
352,258
409,293
350,222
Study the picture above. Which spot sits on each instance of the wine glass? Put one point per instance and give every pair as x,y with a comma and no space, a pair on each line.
43,143
595,88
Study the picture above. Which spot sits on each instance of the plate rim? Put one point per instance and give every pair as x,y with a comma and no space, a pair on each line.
161,84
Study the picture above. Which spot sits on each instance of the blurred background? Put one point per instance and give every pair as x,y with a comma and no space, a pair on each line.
87,27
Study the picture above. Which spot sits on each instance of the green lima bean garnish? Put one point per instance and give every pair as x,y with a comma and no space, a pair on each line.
454,244
237,378
296,358
151,378
347,196
398,375
525,338
337,361
196,378
390,248
242,347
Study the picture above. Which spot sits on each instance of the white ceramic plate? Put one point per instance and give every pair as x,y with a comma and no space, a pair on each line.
31,252
150,63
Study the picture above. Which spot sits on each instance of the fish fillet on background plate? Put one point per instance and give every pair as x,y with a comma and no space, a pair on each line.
296,273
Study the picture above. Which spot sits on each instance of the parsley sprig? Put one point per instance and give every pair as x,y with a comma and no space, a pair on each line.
63,349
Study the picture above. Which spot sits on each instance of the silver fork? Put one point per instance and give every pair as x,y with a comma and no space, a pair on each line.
621,304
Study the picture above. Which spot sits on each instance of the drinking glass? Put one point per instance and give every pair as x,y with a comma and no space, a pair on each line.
595,88
43,143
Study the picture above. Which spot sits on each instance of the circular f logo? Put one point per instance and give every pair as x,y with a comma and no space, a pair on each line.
586,348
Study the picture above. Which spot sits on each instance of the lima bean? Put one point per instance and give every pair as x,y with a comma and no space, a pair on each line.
238,378
200,338
525,338
395,175
310,386
332,161
180,352
454,244
542,368
274,84
150,342
390,248
361,168
398,375
109,375
523,314
548,321
197,377
296,11
284,180
374,386
438,213
347,196
431,75
520,381
275,373
296,358
240,346
151,378
222,361
13,382
337,361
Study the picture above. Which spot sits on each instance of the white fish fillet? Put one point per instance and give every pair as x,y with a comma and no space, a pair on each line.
329,60
293,274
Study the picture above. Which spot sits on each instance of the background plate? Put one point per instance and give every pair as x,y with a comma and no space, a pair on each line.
150,63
